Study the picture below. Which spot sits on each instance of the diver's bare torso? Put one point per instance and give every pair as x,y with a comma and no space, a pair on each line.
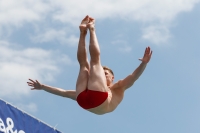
115,96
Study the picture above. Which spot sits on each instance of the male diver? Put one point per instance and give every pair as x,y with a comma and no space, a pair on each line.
95,90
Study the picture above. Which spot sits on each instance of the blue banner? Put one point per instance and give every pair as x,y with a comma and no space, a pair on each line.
13,120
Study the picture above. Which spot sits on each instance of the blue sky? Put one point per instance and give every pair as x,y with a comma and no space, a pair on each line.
38,40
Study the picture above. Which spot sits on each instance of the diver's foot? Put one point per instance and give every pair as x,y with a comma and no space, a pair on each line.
91,24
83,25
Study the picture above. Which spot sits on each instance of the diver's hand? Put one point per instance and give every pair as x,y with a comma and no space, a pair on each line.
147,55
35,84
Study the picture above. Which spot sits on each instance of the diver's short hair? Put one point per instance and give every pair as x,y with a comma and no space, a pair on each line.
107,68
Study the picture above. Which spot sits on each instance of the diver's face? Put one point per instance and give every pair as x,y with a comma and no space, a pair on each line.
109,77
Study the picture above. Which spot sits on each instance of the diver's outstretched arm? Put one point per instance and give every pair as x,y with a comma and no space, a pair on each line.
57,91
130,79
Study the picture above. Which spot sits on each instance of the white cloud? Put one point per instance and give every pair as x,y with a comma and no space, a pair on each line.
156,34
154,13
122,46
59,35
31,107
143,10
18,12
72,40
18,64
50,35
125,49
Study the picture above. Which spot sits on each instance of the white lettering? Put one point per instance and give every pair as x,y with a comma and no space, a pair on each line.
2,126
21,131
9,128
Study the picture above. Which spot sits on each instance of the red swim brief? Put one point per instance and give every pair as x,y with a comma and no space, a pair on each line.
90,99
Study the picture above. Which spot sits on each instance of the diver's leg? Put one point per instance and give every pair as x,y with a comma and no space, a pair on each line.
97,79
83,76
